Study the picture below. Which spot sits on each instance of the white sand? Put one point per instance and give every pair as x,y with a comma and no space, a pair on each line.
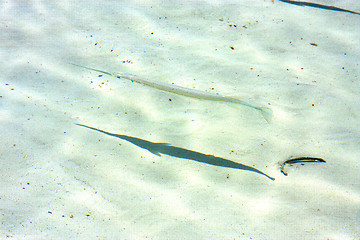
62,181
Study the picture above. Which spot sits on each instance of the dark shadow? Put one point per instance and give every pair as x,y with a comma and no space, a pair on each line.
316,5
167,149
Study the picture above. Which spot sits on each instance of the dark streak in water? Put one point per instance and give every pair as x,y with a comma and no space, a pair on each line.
316,5
167,149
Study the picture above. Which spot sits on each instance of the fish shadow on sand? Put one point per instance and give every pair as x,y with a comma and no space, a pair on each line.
167,149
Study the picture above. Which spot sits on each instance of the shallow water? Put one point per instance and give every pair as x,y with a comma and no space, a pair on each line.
60,180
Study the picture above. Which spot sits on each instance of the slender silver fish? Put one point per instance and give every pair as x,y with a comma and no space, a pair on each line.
266,112
301,160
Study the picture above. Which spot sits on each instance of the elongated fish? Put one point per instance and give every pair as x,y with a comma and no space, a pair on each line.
316,5
301,160
266,112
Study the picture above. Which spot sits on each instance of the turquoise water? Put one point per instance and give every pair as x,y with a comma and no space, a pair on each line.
61,180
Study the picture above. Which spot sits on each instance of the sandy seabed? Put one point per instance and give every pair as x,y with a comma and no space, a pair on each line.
60,180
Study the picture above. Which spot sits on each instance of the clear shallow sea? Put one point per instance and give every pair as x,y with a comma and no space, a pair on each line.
64,181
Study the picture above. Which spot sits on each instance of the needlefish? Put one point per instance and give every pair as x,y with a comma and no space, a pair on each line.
265,112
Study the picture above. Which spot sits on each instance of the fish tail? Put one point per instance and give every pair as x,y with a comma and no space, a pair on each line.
93,69
267,113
